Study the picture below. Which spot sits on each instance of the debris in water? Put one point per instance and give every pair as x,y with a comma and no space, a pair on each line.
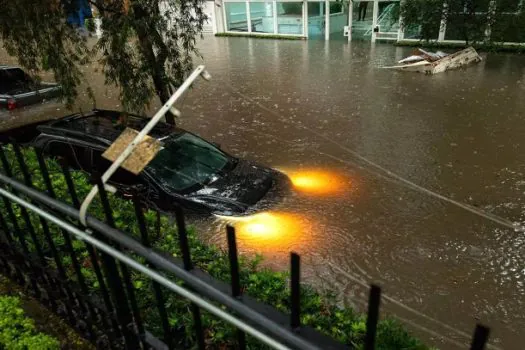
436,62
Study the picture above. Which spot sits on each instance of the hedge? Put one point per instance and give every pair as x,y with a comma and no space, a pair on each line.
18,331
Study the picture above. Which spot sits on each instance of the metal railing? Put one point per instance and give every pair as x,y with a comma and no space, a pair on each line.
32,221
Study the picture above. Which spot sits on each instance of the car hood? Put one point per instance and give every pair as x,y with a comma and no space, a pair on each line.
245,184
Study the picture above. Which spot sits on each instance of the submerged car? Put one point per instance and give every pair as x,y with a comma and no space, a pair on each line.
188,171
17,89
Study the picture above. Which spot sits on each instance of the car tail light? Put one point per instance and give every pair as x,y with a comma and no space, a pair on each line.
11,104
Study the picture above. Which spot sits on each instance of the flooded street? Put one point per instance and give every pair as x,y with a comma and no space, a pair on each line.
370,151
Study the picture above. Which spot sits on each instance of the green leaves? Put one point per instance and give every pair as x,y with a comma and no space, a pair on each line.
35,32
144,51
472,21
17,331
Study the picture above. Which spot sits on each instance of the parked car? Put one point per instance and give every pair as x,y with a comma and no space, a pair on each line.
18,89
187,171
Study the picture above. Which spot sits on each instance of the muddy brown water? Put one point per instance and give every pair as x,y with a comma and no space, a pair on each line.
312,109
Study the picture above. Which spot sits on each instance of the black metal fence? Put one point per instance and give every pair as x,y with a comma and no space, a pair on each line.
31,221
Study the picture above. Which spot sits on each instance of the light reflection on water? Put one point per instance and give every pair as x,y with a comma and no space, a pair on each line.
270,230
321,182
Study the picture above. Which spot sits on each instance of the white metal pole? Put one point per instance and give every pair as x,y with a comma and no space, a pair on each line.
374,20
275,23
248,17
350,19
305,18
401,25
168,106
443,23
327,20
224,17
490,19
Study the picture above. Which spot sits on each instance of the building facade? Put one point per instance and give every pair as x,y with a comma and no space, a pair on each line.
326,20
359,20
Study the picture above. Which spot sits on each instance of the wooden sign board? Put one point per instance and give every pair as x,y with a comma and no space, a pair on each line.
145,151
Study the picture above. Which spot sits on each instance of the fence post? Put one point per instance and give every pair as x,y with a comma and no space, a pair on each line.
155,285
481,336
14,223
23,211
93,258
86,309
186,258
295,291
373,317
18,230
235,278
122,305
63,289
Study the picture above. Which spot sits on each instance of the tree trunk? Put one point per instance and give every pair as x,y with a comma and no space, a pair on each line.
158,72
164,96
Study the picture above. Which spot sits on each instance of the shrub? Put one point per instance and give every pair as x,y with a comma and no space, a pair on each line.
17,331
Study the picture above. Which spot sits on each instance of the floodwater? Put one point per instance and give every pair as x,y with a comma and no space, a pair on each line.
356,140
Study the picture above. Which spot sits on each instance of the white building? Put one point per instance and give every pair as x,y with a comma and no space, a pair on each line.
356,20
306,19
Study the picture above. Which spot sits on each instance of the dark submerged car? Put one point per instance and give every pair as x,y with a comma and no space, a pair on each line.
17,89
188,171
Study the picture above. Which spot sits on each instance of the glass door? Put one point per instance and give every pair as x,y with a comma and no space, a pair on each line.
362,20
316,20
388,20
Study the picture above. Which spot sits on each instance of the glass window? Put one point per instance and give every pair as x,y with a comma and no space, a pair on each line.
336,7
261,14
362,20
236,17
316,20
186,161
290,18
388,16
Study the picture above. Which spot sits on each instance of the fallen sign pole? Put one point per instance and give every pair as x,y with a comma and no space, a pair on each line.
168,106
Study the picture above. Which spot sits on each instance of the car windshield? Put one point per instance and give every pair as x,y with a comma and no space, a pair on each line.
186,160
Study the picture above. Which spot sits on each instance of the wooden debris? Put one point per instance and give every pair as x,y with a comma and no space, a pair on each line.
140,157
433,63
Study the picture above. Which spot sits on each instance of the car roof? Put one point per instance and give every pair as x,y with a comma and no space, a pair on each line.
105,125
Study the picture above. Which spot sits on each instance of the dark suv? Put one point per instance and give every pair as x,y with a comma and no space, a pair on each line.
18,89
188,171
